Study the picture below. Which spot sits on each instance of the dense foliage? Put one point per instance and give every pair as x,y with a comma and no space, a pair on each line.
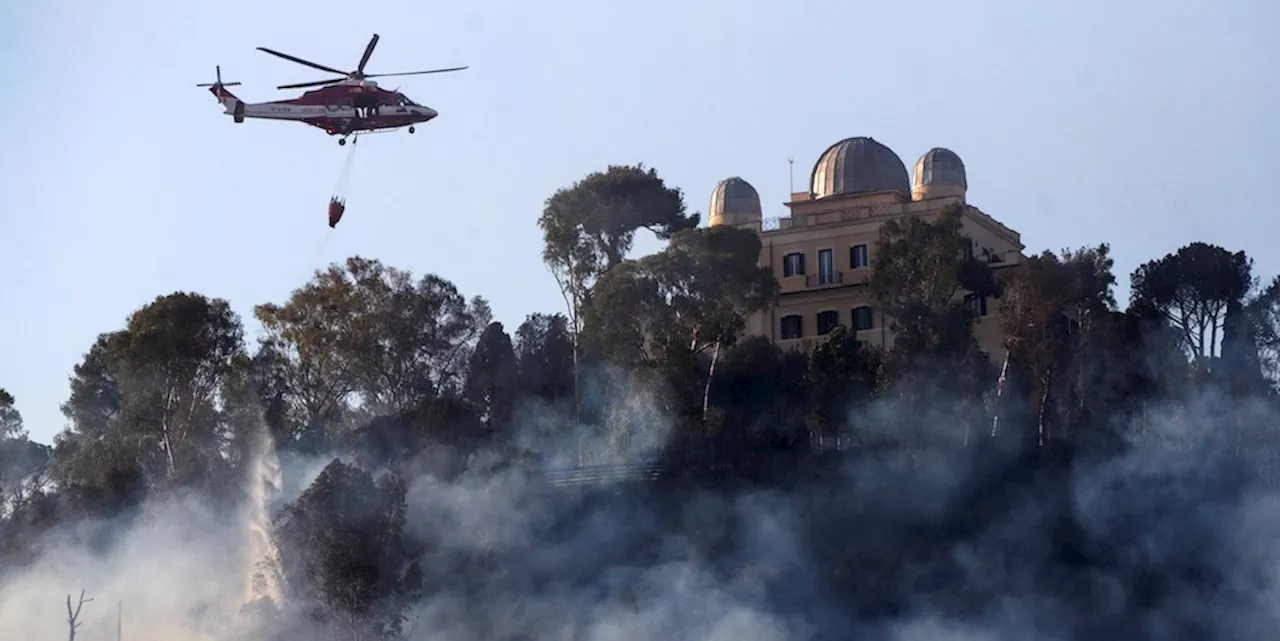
846,487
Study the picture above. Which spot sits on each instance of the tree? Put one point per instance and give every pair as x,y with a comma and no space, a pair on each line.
544,351
151,393
711,279
173,358
1052,309
10,417
924,281
667,309
628,322
589,227
762,392
1193,288
1264,315
341,540
493,378
256,396
923,266
95,401
842,373
1240,364
96,459
364,329
308,340
23,462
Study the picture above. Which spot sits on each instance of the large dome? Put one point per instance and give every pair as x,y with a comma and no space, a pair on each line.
734,201
939,172
857,166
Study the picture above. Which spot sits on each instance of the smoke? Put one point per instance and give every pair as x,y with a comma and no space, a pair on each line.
507,566
169,571
1172,538
180,570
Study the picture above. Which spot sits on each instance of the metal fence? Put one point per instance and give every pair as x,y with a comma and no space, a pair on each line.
601,474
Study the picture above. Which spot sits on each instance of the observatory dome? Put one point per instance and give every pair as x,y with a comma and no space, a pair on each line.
939,172
857,166
733,202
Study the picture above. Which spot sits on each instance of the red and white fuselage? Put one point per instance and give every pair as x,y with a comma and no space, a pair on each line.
342,109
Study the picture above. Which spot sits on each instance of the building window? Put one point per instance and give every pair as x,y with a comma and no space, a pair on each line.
978,304
793,264
792,326
862,318
858,257
827,321
826,267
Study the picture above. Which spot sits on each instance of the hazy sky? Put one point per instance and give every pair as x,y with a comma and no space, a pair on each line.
1145,124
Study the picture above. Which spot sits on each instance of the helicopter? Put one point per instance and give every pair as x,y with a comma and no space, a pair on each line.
349,105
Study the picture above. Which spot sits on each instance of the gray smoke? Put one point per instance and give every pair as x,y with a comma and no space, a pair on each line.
1173,538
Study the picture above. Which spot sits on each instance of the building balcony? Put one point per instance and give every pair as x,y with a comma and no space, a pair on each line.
796,344
1004,259
870,336
823,280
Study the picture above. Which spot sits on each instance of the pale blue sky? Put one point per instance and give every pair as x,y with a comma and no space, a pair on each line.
1146,124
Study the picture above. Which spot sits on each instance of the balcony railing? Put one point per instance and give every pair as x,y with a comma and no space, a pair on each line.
824,279
869,211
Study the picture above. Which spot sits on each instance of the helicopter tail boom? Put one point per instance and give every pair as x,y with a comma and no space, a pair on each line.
230,102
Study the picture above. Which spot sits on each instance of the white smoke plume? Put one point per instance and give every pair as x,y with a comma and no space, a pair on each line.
1173,539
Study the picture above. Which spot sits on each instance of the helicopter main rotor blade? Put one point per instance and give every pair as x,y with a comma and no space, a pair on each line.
301,61
315,83
414,73
368,51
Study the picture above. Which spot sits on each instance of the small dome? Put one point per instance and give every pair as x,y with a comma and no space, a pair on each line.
939,172
940,167
734,201
857,166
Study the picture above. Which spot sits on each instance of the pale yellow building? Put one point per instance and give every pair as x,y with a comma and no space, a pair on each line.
823,251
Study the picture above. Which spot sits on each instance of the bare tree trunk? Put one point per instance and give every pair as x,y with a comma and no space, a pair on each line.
577,376
1044,401
1004,371
165,420
1213,334
711,372
168,449
574,303
73,615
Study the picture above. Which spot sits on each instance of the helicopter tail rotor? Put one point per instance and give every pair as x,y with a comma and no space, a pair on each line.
232,104
218,82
